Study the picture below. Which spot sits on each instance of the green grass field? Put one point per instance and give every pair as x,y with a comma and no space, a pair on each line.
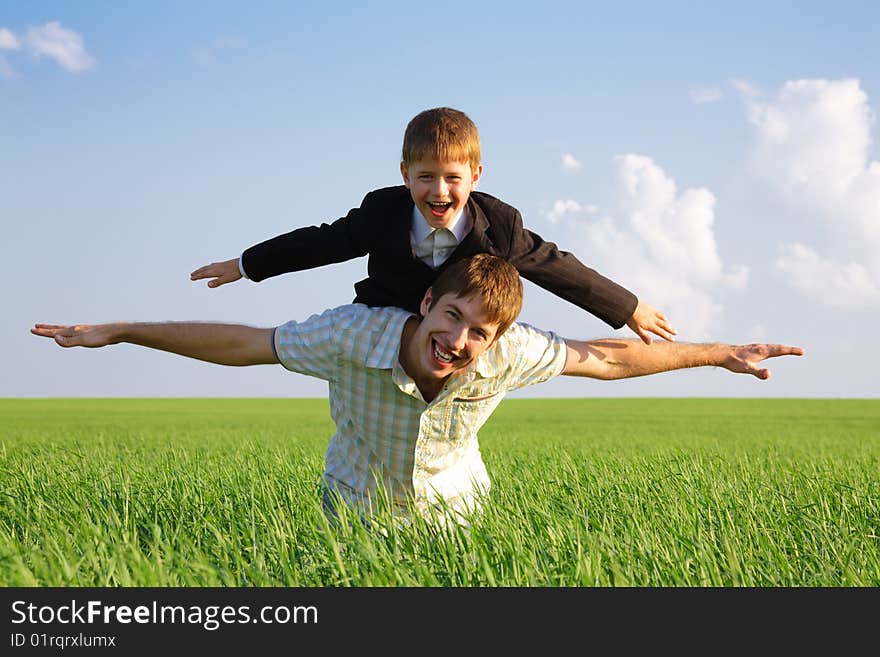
585,492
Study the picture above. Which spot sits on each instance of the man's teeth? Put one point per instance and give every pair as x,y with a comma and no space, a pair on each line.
442,356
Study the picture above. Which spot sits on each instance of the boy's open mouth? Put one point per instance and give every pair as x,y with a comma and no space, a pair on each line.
439,209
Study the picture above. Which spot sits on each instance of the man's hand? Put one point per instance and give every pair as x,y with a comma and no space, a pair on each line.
745,358
81,335
647,319
220,272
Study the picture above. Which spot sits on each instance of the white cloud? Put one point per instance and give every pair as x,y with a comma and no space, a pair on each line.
61,44
813,141
563,209
569,163
8,41
705,95
737,277
837,284
205,55
744,87
6,71
661,245
675,229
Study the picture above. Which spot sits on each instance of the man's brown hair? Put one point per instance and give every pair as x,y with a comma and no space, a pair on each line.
492,279
444,134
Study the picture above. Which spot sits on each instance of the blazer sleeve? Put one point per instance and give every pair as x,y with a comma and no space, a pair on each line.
561,273
314,246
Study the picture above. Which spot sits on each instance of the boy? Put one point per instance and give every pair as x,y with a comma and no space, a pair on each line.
408,392
412,232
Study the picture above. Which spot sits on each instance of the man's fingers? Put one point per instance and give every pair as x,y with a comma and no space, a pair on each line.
644,335
63,335
774,350
748,364
47,330
762,373
759,352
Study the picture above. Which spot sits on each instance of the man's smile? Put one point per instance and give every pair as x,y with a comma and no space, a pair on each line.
442,355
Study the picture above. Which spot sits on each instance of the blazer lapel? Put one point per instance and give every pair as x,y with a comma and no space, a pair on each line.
476,241
398,244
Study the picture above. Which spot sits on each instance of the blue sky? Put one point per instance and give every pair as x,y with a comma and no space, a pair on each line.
721,162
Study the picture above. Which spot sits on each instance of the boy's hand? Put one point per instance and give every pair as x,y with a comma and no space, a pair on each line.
646,319
221,272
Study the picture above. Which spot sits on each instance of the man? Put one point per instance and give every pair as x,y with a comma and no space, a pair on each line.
408,393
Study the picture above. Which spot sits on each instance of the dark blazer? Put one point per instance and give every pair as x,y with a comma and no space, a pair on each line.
380,228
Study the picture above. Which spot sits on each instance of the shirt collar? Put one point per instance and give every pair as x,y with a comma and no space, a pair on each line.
459,226
386,350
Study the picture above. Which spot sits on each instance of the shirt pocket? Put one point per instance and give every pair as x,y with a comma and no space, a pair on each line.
477,391
467,411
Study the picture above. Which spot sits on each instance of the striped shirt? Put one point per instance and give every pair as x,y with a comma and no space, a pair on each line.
424,454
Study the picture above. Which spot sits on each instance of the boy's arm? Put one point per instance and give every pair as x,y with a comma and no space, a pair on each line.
621,359
224,344
309,247
304,248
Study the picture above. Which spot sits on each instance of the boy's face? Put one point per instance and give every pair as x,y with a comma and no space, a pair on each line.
440,190
451,335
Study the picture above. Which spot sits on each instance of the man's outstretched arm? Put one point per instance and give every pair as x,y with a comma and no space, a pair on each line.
224,344
622,359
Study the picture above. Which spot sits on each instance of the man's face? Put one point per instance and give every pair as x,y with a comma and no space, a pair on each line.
440,190
451,335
